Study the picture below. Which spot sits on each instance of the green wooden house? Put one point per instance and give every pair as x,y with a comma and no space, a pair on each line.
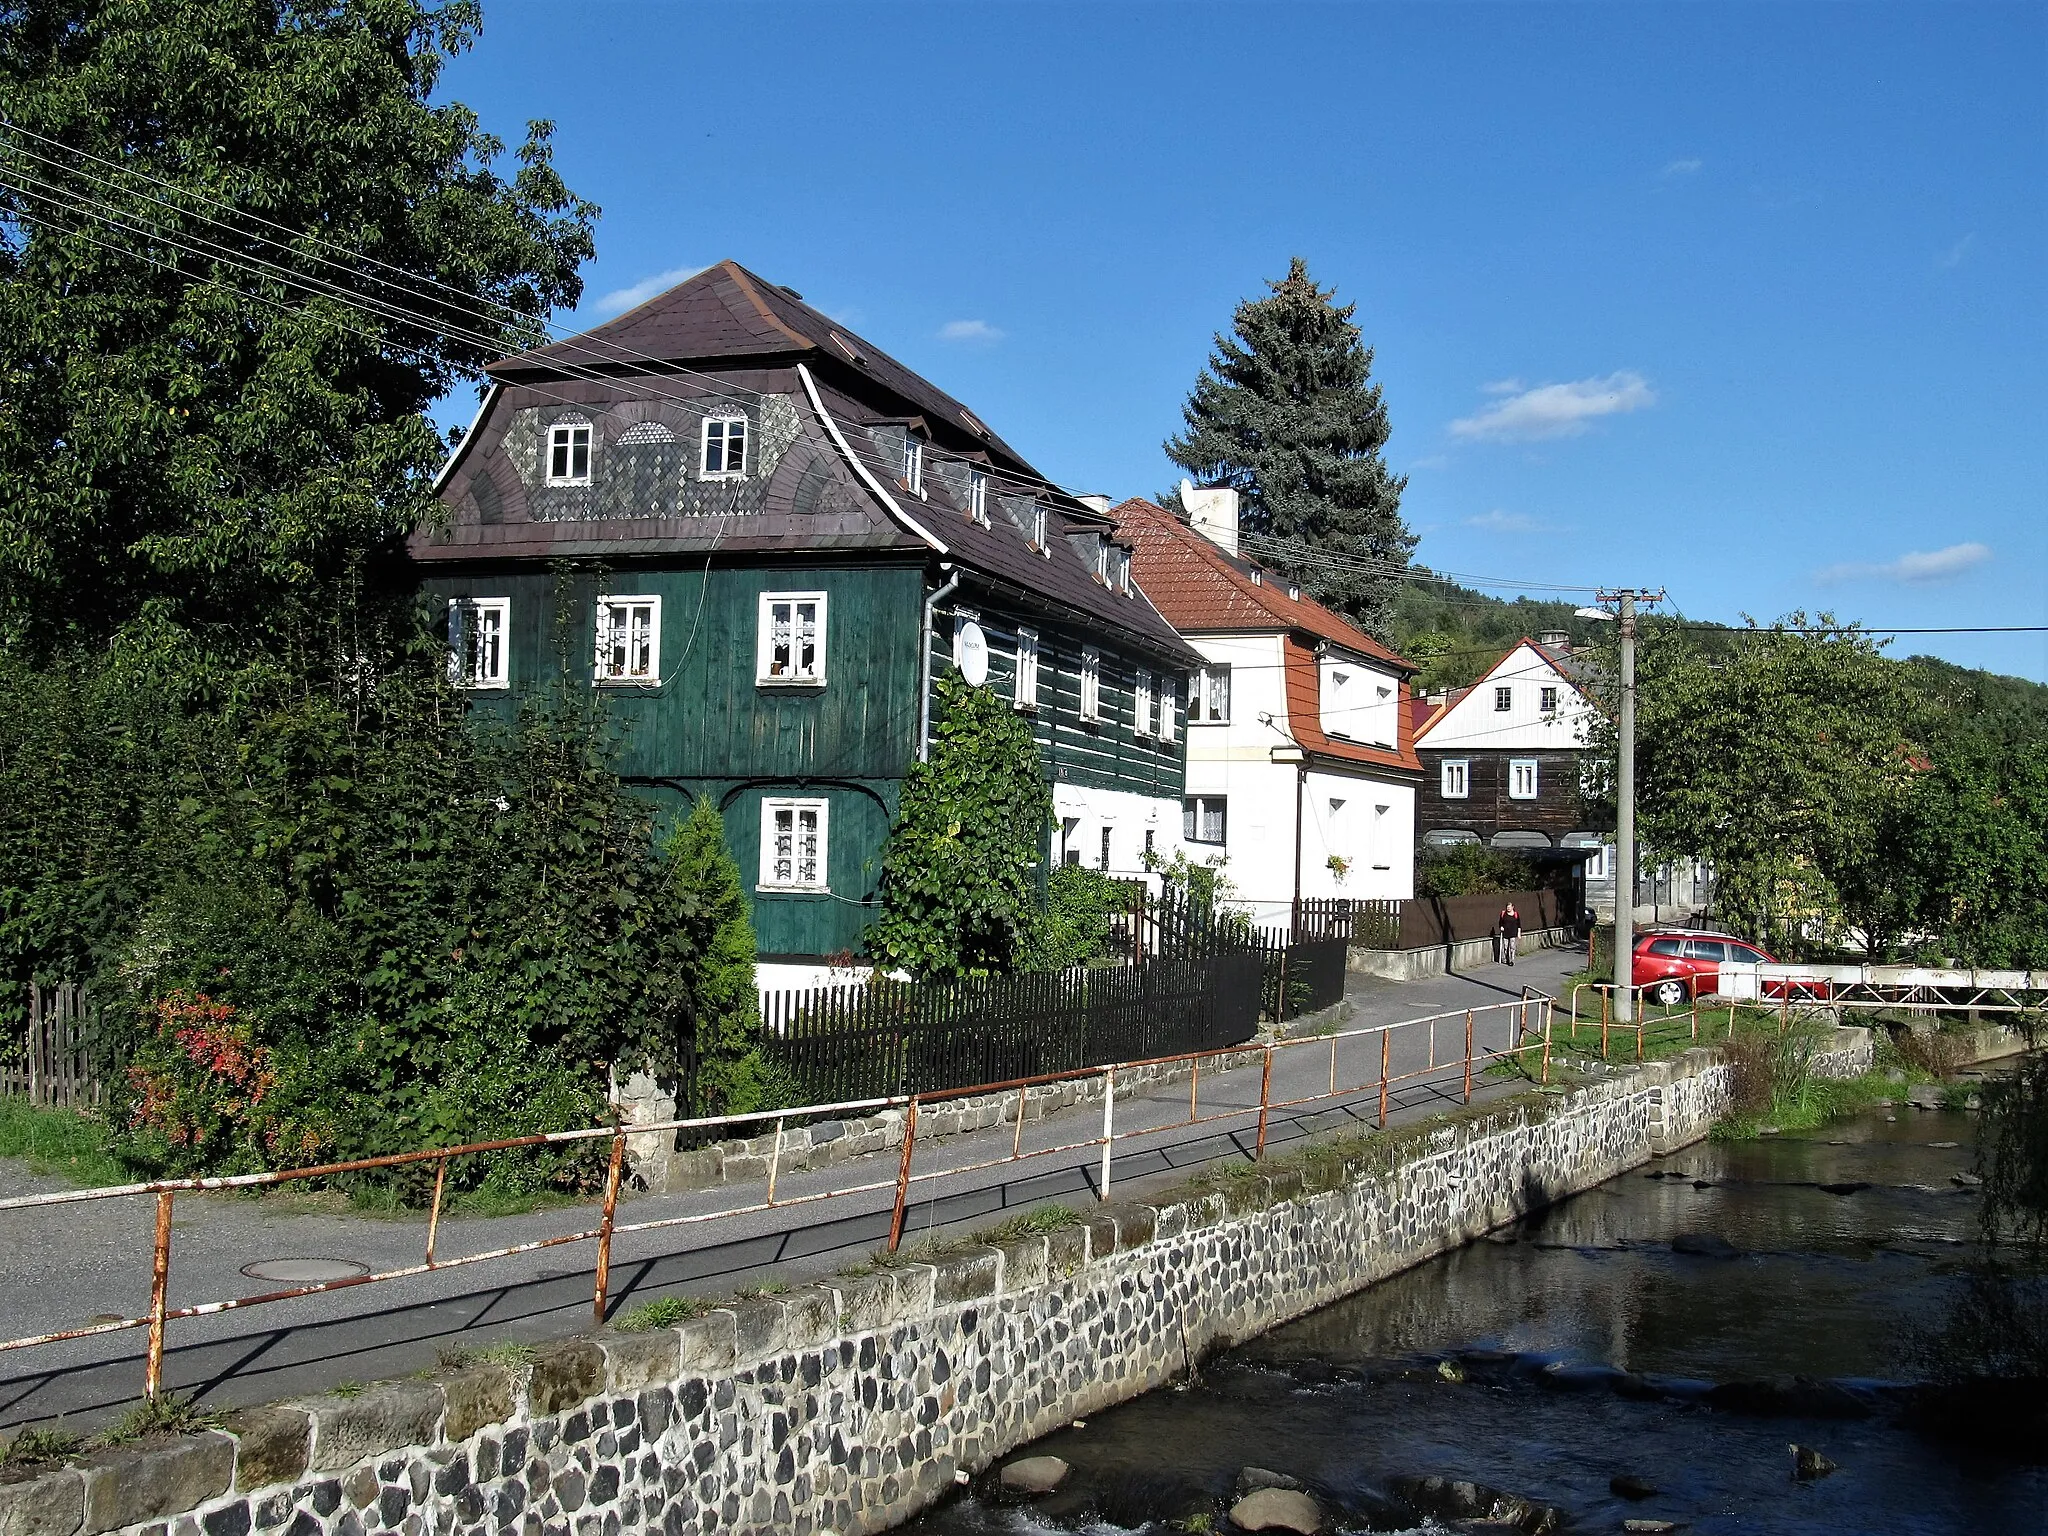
765,539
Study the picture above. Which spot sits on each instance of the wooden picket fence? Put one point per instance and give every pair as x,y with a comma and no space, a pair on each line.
51,1064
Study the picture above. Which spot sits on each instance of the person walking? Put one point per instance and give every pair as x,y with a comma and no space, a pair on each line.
1510,932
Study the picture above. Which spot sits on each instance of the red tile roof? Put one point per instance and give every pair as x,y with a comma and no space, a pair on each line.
1305,717
1202,590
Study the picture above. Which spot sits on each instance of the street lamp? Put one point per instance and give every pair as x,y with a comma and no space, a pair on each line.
1624,601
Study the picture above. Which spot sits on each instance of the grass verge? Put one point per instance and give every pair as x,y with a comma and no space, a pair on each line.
60,1142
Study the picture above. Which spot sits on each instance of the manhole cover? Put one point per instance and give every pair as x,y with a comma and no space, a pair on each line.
304,1271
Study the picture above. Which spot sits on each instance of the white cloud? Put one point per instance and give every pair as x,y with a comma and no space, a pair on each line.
1914,566
969,330
1681,167
1502,387
1501,521
1557,410
620,300
1953,256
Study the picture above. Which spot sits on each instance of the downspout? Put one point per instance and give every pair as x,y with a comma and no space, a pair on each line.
924,660
1300,788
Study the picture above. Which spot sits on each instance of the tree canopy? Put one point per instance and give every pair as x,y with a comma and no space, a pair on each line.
190,439
1286,412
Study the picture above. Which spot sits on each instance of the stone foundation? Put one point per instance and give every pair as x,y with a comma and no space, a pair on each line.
848,1406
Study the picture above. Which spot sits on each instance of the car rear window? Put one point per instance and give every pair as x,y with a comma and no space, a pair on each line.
1706,949
1667,946
1742,954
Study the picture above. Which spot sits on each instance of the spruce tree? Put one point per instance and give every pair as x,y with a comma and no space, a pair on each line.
1287,413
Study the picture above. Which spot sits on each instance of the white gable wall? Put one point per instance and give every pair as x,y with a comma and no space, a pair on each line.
1475,723
1361,701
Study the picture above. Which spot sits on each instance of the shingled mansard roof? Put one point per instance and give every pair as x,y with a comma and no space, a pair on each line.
828,412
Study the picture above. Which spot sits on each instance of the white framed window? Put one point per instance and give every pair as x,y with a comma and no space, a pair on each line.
479,642
725,448
1091,683
1104,865
1141,705
1205,819
790,647
1209,697
1025,690
1521,778
913,464
1168,687
1123,571
794,845
1503,700
1547,699
569,453
1038,532
977,496
1457,778
628,640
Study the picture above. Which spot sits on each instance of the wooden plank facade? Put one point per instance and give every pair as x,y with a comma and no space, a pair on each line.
669,473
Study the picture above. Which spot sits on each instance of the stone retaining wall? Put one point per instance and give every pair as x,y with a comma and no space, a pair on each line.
848,1406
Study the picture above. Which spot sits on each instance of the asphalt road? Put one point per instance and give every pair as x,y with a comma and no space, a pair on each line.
66,1266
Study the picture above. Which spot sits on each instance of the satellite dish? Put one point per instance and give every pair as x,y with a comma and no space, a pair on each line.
970,653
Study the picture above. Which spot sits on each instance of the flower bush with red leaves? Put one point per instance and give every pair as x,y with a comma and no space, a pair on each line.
205,1094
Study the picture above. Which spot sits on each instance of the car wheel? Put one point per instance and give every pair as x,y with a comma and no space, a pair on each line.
1668,994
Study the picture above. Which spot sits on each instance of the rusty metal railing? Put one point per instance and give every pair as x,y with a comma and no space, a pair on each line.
1528,1034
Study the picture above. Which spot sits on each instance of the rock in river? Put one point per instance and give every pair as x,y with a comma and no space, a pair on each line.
1277,1509
1808,1464
1629,1487
1449,1499
1705,1245
1034,1475
1252,1479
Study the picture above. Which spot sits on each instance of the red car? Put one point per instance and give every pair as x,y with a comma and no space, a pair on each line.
1674,966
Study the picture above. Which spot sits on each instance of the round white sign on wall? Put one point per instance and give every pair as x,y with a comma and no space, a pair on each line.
970,653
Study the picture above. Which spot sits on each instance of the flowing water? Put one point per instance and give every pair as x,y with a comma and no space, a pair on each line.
1550,1359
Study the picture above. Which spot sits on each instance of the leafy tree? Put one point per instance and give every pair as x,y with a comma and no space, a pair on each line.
956,889
182,438
1286,412
1778,757
720,1000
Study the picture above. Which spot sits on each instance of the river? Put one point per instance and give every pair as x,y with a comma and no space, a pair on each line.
1547,1360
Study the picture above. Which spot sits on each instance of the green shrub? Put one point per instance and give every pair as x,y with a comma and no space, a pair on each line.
1470,869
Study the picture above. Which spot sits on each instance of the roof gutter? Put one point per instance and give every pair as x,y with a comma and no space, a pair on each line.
867,477
462,448
924,659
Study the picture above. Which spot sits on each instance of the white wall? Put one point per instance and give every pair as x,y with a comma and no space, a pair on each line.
1127,816
1475,722
1361,701
1235,761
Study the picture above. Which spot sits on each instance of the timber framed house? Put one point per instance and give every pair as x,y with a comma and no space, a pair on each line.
764,540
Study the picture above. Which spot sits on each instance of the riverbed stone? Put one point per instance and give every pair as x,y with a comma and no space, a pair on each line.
1277,1509
1034,1474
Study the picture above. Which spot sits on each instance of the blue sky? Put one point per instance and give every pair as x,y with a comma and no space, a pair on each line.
1747,301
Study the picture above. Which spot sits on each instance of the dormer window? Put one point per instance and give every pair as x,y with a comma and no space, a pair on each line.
913,465
977,496
569,453
1038,532
725,448
1102,559
1123,571
1258,579
1293,592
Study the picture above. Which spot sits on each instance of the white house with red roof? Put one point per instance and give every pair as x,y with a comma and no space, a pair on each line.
1301,774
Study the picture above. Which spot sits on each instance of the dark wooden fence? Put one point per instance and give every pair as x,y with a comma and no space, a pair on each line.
1196,980
53,1063
905,1037
1429,922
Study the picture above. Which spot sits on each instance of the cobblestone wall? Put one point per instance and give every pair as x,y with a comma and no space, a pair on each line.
848,1406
